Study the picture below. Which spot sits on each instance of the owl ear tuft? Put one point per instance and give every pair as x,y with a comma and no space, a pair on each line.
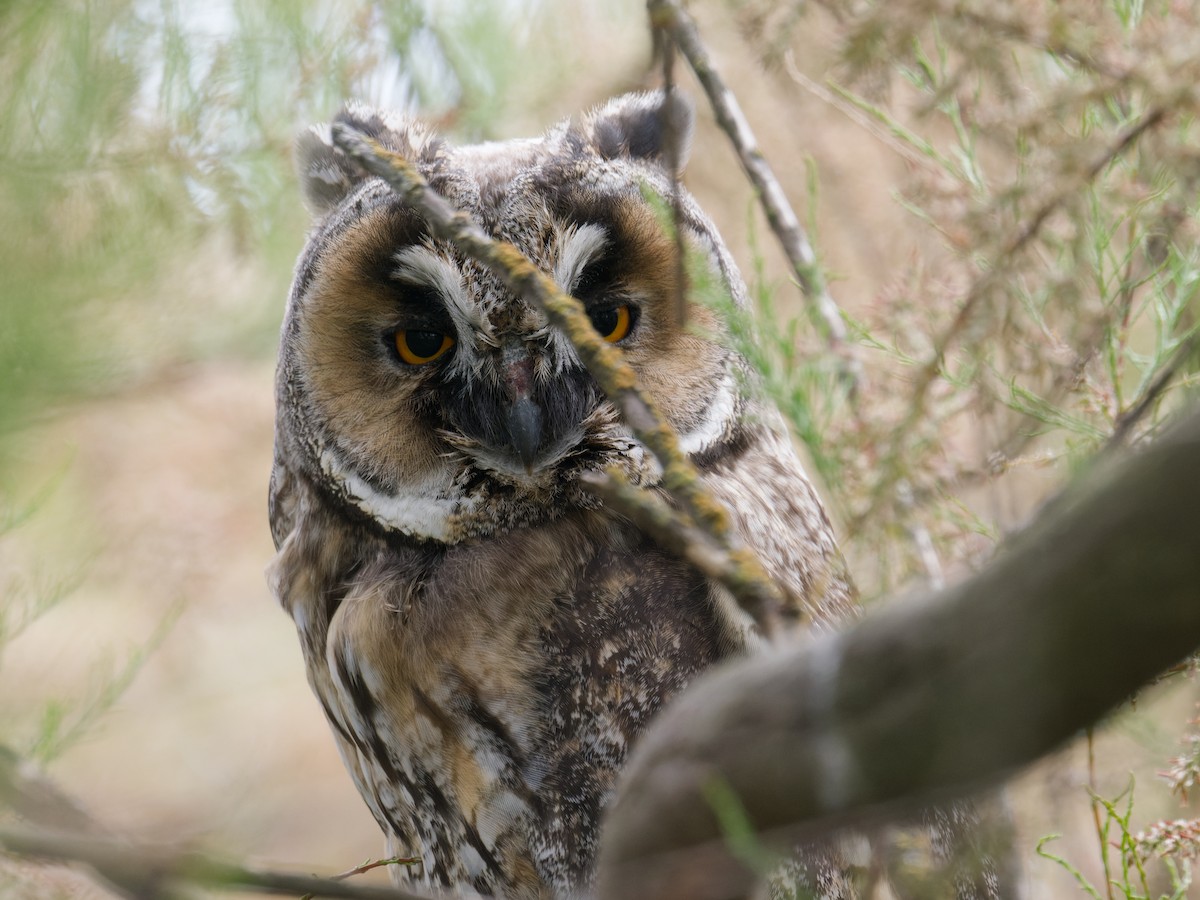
327,175
641,125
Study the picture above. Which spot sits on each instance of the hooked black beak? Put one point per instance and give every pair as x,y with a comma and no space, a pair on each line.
525,429
518,421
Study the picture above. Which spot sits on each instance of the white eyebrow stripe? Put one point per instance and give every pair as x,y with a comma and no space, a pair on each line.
421,266
580,246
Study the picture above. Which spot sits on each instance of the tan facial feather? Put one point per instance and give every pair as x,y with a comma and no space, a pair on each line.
677,365
370,402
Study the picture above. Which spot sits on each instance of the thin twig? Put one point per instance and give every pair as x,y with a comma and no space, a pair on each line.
1048,41
890,135
668,15
368,866
148,873
1128,419
1097,824
753,590
891,467
673,152
921,538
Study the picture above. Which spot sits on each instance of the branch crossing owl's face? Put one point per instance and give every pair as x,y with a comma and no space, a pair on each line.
423,393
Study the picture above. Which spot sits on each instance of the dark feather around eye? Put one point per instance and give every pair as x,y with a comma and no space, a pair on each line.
597,277
421,298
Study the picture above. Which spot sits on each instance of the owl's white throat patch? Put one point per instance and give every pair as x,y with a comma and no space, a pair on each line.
426,509
716,419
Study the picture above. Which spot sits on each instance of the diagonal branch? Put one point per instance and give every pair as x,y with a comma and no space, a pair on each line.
752,588
676,535
668,16
1153,393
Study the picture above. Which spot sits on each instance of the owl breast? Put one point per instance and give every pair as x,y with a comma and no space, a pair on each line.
484,695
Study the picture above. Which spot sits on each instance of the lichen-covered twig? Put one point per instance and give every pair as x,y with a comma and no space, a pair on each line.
753,590
670,17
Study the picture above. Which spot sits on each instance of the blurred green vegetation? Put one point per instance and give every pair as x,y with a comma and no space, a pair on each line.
145,162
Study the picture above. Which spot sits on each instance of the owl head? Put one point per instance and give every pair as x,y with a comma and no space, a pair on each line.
418,392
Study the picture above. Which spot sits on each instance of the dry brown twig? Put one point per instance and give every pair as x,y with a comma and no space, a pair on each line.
369,865
1153,393
891,465
747,582
668,16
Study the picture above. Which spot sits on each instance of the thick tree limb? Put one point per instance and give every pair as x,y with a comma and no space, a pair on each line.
925,700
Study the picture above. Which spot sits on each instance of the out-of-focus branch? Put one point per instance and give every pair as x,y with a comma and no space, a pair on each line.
154,873
924,700
1153,393
672,18
35,798
752,588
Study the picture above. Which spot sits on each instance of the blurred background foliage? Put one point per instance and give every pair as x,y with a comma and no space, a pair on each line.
145,146
1003,195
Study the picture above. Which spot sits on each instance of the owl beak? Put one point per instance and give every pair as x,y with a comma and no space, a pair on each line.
525,430
524,415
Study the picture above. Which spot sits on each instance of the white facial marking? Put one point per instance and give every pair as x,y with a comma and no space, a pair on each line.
715,421
580,245
423,267
423,512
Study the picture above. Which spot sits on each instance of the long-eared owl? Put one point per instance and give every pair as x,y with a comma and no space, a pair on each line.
486,638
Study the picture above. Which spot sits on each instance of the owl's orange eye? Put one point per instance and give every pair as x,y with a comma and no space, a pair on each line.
613,323
419,347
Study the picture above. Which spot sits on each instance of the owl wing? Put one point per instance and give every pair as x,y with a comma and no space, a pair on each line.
775,511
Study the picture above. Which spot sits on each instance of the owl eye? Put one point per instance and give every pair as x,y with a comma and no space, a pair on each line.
613,322
419,347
